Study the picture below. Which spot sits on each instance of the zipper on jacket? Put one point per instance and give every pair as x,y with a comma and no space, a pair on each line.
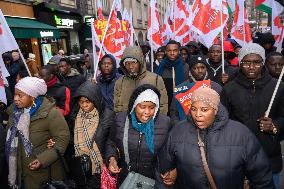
138,151
253,84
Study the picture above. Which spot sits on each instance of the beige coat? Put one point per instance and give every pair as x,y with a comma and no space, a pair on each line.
48,122
125,85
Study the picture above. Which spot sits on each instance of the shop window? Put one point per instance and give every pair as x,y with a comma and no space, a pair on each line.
68,3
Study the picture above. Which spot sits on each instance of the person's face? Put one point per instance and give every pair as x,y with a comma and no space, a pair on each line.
267,46
64,68
251,66
86,105
274,65
184,55
192,49
198,71
22,100
215,54
86,51
160,56
107,66
87,62
202,114
172,51
15,56
132,68
43,74
145,111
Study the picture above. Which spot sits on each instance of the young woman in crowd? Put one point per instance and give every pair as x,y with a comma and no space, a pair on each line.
211,151
138,136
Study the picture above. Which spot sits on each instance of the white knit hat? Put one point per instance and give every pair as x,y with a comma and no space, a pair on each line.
147,96
251,48
32,86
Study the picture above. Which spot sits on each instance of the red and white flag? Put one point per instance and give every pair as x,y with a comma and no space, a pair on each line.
154,33
207,19
100,10
181,22
277,24
118,34
240,29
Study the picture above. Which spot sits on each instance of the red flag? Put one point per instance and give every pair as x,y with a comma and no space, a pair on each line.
154,33
277,25
241,30
207,19
100,10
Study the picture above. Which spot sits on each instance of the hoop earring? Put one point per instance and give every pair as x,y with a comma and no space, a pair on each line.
34,104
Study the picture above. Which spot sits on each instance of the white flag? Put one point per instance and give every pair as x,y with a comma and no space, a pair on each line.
7,40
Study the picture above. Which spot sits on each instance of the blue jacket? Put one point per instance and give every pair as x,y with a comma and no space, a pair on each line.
106,85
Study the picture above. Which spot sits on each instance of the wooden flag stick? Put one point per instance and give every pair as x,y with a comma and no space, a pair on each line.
274,93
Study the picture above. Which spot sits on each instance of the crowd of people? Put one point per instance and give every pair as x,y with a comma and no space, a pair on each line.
126,128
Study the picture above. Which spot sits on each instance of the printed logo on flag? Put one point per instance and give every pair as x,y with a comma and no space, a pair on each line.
183,93
1,29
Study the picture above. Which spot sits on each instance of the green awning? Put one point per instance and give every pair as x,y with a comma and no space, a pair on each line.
30,28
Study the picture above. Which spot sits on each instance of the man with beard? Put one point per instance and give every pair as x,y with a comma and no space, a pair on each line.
134,68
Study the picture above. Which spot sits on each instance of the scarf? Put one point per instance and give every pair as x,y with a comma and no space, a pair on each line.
86,125
19,130
146,128
177,64
51,82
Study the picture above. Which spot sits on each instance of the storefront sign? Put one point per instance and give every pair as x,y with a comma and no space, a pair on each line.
46,33
63,22
89,19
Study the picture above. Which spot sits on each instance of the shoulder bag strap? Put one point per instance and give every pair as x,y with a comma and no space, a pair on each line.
204,162
125,141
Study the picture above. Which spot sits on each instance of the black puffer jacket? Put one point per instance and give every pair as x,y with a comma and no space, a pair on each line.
106,116
247,101
232,152
141,159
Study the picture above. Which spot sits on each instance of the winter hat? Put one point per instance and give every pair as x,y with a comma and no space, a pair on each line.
147,96
144,93
31,56
195,59
32,86
251,48
206,95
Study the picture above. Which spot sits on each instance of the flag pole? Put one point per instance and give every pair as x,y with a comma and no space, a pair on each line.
102,43
244,24
274,93
222,40
151,36
22,57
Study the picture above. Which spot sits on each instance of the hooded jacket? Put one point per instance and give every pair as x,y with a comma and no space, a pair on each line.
125,85
248,100
106,116
73,80
141,159
232,152
106,85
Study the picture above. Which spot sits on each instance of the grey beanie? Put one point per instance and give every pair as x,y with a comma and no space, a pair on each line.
251,48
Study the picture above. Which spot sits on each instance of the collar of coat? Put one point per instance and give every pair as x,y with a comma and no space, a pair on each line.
41,113
258,84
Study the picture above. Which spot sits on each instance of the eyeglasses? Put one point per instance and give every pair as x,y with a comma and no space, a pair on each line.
247,64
